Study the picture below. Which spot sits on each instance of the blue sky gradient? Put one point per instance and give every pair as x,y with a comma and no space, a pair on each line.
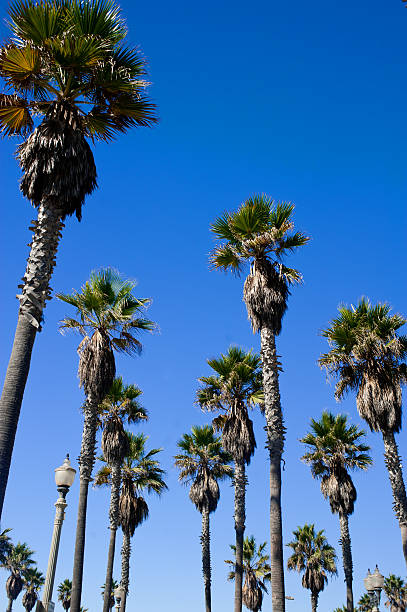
303,101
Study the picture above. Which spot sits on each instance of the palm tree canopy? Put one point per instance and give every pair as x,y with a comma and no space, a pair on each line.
334,448
256,571
64,593
260,233
313,556
115,584
5,545
122,400
236,385
108,318
396,592
364,603
203,462
33,579
18,559
367,356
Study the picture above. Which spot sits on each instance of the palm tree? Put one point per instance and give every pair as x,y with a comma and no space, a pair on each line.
236,384
314,557
108,319
202,462
64,593
256,570
368,357
364,604
33,581
119,404
111,599
140,472
333,449
17,562
67,61
260,233
5,545
396,592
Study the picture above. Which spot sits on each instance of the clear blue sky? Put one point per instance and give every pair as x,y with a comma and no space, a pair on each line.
304,101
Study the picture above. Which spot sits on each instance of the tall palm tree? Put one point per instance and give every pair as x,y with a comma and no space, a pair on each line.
314,557
108,317
256,571
333,449
68,62
396,592
65,593
33,581
235,385
17,562
202,462
113,586
261,233
140,472
367,356
119,404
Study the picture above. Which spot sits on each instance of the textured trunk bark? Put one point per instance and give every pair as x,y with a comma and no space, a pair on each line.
206,558
125,552
393,463
86,462
347,559
240,516
9,605
275,441
314,602
35,292
114,521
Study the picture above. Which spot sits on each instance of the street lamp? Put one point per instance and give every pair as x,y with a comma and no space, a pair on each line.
374,584
119,593
64,477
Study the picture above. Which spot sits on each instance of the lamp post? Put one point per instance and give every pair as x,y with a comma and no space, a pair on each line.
374,584
119,593
64,477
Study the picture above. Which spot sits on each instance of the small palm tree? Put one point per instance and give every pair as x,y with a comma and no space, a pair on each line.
396,592
17,562
367,356
140,472
333,449
260,233
33,581
314,557
364,604
202,462
119,404
68,62
108,319
114,586
236,385
256,570
64,593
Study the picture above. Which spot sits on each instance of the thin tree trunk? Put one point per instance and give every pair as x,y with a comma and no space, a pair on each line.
35,292
275,441
86,462
393,463
347,559
10,605
206,558
314,602
114,521
125,552
240,516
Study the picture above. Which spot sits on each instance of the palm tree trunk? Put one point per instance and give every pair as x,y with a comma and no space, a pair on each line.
314,602
347,559
393,464
240,516
275,441
35,291
206,557
125,552
114,521
86,462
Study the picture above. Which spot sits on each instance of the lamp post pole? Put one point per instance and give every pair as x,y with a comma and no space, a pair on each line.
64,477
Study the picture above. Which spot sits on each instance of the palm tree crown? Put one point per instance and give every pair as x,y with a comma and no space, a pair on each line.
256,569
64,593
17,562
334,448
260,233
204,463
33,581
396,592
368,357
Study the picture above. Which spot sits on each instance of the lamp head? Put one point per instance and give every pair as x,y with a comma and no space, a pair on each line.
64,476
119,592
377,580
368,582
